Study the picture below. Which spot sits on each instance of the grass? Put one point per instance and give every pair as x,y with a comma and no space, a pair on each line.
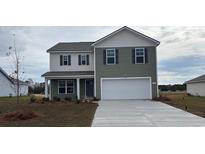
193,104
55,114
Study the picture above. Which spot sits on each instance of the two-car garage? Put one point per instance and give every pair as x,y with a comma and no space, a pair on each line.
126,88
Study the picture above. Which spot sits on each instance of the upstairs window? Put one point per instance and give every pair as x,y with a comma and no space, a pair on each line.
83,59
139,55
65,60
110,56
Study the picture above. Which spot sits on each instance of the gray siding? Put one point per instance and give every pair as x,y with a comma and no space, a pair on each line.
126,68
82,88
54,90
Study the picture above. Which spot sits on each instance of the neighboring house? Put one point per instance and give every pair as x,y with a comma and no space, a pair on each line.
8,85
121,65
196,86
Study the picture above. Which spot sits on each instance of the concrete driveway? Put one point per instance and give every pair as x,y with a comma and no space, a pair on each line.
142,113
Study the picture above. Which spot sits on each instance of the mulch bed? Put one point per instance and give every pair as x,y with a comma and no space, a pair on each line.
19,115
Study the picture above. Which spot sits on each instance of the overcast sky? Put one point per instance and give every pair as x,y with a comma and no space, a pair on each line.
181,54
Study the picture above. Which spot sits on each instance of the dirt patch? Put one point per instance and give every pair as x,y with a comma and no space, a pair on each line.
161,98
19,115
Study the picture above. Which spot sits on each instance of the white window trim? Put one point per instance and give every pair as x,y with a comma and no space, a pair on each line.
82,60
140,55
67,60
66,87
59,86
69,86
111,56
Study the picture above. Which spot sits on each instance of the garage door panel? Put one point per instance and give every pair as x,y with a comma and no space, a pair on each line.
125,89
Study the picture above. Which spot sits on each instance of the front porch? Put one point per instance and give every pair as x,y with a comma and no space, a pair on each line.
69,85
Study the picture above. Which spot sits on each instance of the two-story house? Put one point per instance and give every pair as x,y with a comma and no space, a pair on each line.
121,65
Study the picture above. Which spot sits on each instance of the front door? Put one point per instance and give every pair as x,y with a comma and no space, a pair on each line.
89,87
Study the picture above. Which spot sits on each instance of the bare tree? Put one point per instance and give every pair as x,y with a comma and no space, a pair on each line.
16,61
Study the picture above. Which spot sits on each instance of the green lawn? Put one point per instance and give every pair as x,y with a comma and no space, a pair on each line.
53,114
193,104
23,99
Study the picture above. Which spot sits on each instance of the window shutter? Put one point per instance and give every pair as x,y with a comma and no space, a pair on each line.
104,56
133,56
87,59
146,56
61,60
79,59
117,56
69,59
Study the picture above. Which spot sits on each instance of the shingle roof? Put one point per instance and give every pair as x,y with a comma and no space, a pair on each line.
6,75
72,46
130,29
12,80
67,73
197,79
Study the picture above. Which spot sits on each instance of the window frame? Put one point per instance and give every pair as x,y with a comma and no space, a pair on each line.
139,56
66,86
61,87
110,56
81,60
65,60
69,86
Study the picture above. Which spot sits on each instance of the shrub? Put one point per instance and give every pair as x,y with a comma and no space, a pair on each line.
33,99
57,99
68,98
95,99
78,101
39,101
188,94
45,99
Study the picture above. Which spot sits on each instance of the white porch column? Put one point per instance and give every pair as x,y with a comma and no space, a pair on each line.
46,87
78,88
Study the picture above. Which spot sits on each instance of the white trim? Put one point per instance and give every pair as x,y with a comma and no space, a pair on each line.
46,87
65,55
70,77
66,86
127,78
94,75
83,55
127,28
68,51
50,91
110,56
140,56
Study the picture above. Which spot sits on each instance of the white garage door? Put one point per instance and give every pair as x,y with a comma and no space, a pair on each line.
139,88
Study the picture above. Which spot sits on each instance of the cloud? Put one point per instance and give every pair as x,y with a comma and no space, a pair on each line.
180,54
181,69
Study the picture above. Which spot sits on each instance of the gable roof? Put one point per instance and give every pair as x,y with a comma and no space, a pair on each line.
197,79
72,46
6,75
12,80
129,29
